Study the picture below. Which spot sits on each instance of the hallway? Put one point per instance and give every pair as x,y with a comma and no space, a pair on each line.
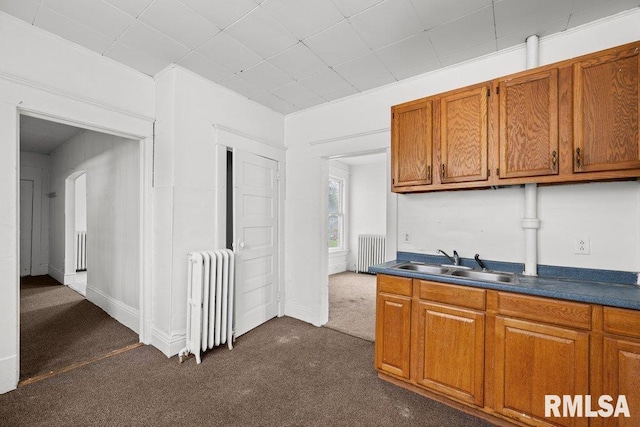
60,328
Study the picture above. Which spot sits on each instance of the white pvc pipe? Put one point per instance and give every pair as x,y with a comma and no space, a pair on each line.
530,222
533,58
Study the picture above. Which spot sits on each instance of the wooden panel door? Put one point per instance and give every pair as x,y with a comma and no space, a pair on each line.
451,351
533,360
411,144
606,115
621,362
529,125
463,135
256,240
393,334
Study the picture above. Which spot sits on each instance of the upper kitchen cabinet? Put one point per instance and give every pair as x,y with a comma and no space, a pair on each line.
528,111
411,145
606,105
462,136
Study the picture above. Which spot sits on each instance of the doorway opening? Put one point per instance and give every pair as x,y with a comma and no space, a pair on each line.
75,260
357,193
76,182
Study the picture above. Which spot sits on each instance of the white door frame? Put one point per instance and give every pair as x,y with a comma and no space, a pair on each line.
226,138
391,221
145,219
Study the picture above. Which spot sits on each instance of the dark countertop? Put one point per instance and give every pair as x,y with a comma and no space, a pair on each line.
573,289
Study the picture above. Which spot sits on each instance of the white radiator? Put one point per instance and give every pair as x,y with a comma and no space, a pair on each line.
371,251
209,301
81,251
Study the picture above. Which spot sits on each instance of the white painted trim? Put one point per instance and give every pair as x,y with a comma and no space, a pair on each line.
146,239
170,345
127,315
300,312
70,95
69,279
8,382
351,136
253,144
56,274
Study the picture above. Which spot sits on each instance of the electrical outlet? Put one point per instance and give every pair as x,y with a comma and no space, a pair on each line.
404,236
582,246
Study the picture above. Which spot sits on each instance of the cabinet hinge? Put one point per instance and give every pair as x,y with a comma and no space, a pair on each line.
489,173
278,296
497,171
277,175
488,92
497,90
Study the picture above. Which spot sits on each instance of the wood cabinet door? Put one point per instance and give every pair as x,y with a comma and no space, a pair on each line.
411,144
606,115
621,363
463,135
533,360
451,351
393,334
529,125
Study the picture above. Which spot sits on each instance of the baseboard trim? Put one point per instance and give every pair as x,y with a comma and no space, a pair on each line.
127,315
170,345
69,279
56,274
8,374
300,312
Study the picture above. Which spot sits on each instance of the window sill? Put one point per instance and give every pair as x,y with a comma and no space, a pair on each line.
338,252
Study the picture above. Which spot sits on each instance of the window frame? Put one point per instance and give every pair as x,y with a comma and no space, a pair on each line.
341,215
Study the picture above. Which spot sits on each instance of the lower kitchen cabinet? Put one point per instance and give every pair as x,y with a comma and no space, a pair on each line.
533,360
500,353
393,325
621,362
450,351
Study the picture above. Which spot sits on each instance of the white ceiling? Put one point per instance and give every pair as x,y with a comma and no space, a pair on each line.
293,54
43,136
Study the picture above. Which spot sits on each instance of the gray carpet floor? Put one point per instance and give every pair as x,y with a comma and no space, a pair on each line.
59,327
282,373
352,304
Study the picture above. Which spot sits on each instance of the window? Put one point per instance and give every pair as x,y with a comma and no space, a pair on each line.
336,213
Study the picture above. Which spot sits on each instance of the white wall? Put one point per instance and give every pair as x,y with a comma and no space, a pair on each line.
49,77
113,219
475,221
367,215
80,208
36,167
339,258
193,115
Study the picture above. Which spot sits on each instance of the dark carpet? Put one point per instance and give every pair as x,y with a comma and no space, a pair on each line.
59,327
283,373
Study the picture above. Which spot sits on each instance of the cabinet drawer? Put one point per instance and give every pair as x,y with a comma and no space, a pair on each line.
461,296
562,313
622,322
394,285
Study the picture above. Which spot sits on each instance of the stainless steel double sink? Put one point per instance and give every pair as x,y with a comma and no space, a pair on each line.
457,271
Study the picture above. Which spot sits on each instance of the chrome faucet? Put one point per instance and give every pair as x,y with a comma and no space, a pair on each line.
456,258
480,263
